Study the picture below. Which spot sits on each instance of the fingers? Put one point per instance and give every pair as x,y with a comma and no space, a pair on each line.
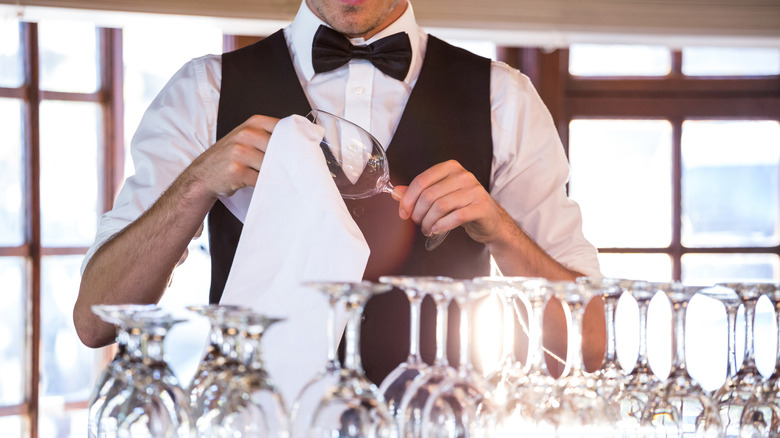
235,160
443,197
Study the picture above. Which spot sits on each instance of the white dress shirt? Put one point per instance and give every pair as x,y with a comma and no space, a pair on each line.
529,168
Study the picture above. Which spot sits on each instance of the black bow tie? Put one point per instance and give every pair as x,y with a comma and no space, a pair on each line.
392,55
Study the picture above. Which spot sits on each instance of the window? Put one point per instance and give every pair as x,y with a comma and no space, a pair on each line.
56,99
61,165
675,160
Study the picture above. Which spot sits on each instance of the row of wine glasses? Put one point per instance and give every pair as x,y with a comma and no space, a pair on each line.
233,395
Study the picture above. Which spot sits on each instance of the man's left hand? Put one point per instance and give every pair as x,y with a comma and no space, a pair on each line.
447,196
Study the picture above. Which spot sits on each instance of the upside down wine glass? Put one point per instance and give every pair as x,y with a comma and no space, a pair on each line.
114,383
410,411
357,162
155,405
505,378
306,402
680,407
252,406
744,388
353,407
641,380
467,391
574,406
761,417
395,384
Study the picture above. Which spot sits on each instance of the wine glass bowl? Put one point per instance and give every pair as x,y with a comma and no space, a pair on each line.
357,162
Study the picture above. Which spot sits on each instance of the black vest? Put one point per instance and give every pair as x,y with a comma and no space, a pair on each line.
447,117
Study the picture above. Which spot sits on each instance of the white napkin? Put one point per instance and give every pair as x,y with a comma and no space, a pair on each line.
296,229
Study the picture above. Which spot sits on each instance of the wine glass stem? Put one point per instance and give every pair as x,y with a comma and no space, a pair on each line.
776,373
678,333
642,362
610,304
535,352
575,340
465,334
731,327
352,354
442,308
134,343
750,312
508,347
333,359
254,358
415,303
153,349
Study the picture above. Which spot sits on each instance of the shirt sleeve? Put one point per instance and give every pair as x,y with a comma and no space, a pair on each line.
530,171
178,126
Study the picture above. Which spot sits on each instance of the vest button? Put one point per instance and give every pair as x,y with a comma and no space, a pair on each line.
358,210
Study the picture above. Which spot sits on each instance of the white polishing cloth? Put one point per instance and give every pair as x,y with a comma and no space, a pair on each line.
296,229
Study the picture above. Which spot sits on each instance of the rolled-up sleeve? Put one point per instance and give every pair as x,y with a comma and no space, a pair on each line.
530,172
177,127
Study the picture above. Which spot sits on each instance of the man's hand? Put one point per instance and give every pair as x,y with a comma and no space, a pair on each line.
235,160
447,196
135,265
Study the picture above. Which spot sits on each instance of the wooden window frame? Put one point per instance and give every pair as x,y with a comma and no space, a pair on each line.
674,98
111,156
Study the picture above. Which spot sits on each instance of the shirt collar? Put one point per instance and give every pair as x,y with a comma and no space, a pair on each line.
305,24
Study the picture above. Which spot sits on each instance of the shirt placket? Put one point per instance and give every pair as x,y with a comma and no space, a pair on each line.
357,109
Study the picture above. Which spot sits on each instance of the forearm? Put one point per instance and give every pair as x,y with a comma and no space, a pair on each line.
135,265
516,254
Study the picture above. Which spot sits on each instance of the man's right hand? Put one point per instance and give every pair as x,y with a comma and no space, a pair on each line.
235,160
135,265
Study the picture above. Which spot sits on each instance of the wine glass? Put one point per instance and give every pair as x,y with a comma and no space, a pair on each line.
761,416
610,376
307,400
219,349
574,404
467,391
357,162
250,406
209,387
410,410
353,407
680,406
156,406
112,388
536,384
641,380
505,378
395,384
742,388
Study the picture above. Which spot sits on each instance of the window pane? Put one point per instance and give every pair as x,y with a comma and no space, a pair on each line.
68,368
730,61
64,424
151,56
69,172
12,426
730,183
619,60
649,267
12,329
11,209
11,73
68,55
621,177
708,269
481,48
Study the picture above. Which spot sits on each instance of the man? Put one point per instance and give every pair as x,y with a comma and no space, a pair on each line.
472,148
